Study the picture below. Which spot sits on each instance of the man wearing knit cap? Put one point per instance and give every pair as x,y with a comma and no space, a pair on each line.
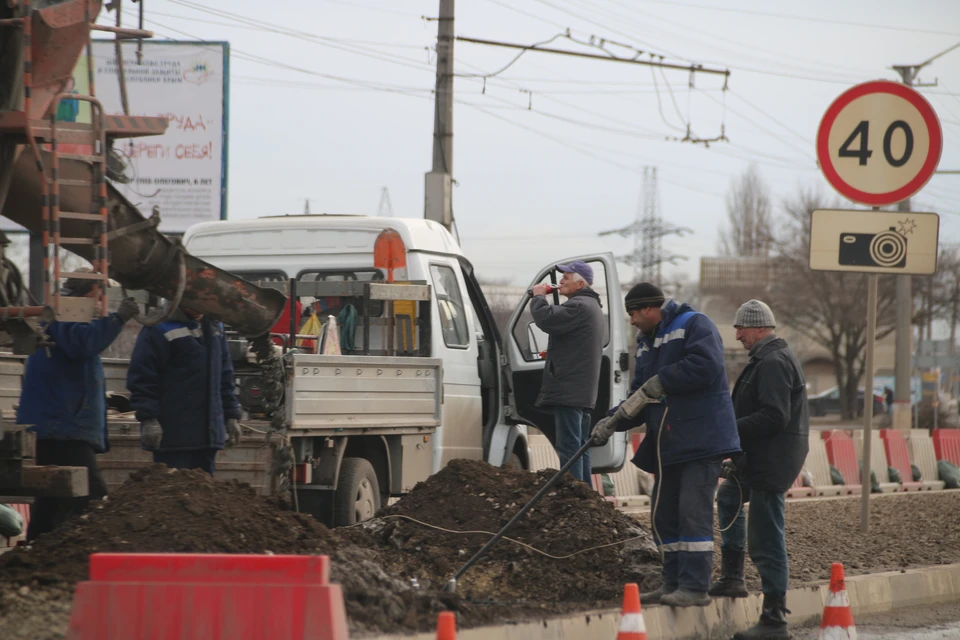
689,433
770,402
572,371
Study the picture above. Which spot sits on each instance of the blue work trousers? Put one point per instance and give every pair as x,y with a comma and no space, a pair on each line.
202,459
573,431
761,533
683,517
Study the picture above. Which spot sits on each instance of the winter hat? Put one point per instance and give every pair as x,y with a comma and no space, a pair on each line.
78,287
754,313
644,295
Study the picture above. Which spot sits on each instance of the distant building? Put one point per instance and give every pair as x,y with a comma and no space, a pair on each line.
726,283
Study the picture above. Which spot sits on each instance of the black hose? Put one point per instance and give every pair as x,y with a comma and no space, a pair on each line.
543,490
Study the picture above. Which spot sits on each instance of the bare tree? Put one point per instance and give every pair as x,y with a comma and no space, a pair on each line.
749,229
825,306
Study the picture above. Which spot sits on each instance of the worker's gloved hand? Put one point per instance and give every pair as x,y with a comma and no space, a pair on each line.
151,433
603,430
653,388
233,432
128,309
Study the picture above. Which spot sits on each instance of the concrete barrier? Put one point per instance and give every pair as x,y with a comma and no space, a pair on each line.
872,593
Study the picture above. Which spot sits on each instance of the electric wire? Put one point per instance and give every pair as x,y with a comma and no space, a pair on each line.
611,30
801,18
372,43
490,533
660,106
687,27
301,35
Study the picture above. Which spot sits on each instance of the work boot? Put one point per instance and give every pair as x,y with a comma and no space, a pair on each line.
731,583
772,624
686,598
653,597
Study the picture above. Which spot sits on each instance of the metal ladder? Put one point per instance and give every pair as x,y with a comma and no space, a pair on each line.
52,214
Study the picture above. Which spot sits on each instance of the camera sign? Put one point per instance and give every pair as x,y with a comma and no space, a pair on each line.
879,143
874,241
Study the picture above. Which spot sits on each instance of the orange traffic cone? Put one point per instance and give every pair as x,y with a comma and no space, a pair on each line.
447,626
631,619
837,620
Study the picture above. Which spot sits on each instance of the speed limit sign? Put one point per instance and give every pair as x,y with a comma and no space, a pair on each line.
879,143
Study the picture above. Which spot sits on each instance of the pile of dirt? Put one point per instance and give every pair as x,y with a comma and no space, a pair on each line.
165,511
580,549
168,511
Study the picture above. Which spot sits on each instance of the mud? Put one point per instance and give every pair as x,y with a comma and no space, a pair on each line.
164,511
576,551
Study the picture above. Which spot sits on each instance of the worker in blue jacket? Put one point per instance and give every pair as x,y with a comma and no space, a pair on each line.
183,391
689,434
64,399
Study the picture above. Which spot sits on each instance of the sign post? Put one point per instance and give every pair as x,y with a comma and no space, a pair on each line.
878,144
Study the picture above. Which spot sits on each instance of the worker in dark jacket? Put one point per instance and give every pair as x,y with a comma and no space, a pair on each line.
64,399
689,434
571,373
770,402
183,391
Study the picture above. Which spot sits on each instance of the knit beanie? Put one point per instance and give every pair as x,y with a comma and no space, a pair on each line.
643,295
754,313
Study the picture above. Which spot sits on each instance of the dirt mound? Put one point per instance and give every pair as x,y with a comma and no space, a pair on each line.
164,511
470,496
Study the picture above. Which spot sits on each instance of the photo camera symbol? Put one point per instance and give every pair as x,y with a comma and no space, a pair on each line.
885,249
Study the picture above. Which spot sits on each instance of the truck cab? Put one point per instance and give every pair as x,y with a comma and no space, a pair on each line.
489,382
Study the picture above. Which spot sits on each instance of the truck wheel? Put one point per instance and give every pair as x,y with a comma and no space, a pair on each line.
358,492
513,461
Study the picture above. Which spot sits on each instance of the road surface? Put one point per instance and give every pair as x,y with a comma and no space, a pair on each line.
938,622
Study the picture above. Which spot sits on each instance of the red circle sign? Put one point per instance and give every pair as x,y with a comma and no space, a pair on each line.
879,143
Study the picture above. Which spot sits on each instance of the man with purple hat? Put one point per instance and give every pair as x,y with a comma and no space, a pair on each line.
574,349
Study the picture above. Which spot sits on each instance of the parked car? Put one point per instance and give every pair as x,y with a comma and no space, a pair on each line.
829,402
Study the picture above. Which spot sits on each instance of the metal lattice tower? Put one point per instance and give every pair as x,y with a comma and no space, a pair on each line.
648,231
386,209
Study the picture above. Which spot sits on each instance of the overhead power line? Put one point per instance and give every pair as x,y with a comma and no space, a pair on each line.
781,16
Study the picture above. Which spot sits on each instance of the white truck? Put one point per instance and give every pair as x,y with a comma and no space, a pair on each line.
367,425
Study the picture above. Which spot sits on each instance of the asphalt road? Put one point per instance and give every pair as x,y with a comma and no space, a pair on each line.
937,622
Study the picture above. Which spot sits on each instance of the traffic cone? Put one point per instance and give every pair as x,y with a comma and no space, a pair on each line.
447,626
631,619
837,620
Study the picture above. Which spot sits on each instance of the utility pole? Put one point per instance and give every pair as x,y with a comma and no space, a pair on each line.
903,344
306,207
438,197
903,347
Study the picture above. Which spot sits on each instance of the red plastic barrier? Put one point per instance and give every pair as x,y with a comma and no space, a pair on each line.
843,455
898,457
208,597
946,442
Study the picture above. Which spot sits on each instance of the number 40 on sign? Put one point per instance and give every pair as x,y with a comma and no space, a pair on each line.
879,143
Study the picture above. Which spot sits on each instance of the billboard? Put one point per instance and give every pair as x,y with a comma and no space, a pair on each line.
184,171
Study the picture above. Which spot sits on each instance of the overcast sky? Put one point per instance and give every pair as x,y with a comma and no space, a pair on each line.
552,150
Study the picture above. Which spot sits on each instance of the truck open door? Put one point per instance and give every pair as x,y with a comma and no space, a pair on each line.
525,347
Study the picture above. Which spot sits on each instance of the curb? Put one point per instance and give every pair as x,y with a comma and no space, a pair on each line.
871,593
